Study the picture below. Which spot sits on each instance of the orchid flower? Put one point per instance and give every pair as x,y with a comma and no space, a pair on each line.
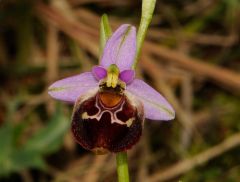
110,103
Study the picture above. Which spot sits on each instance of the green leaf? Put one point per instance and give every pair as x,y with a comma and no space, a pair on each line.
6,136
15,157
50,138
21,159
12,158
147,12
105,32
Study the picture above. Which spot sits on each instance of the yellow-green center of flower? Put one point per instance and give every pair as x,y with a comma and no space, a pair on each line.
112,76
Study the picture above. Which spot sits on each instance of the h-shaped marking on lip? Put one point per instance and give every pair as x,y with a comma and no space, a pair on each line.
113,115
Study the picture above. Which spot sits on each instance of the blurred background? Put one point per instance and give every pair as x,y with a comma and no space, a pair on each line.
191,55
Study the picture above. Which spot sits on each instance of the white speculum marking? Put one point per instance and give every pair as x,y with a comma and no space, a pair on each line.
113,114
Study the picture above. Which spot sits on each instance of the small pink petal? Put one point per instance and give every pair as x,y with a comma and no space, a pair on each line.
69,89
99,72
120,49
155,105
127,76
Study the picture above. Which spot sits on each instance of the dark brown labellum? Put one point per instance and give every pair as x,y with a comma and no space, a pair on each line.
107,121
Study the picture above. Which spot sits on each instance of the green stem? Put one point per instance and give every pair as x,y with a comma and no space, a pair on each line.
122,167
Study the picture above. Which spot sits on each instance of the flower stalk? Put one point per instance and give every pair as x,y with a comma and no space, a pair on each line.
122,167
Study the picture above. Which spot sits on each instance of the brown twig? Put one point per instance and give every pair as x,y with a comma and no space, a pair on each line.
195,38
223,77
190,163
52,60
149,65
94,170
100,2
84,35
145,154
187,100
